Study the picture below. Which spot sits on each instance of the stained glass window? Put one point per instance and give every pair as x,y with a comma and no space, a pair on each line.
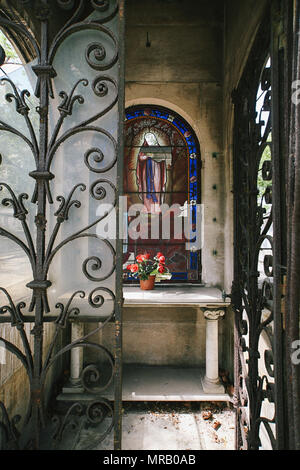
162,176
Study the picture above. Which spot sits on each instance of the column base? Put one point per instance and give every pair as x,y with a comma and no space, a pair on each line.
71,387
212,386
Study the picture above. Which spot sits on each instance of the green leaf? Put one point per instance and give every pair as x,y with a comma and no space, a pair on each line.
8,47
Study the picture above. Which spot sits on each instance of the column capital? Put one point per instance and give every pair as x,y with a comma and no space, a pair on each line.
213,314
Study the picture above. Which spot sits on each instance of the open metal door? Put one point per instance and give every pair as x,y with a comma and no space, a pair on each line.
61,177
258,292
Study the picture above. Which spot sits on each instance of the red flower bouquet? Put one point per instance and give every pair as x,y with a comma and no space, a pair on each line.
145,267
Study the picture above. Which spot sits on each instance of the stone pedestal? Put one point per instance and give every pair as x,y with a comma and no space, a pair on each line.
211,382
200,299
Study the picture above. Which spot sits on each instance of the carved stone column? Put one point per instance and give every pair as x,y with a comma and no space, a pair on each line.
211,382
76,361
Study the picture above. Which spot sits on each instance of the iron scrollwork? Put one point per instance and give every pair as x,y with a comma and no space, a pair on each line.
42,250
252,290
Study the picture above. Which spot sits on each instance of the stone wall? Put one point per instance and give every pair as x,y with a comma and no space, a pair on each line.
196,56
182,70
165,336
241,21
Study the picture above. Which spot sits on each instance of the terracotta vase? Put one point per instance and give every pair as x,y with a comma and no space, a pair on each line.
148,284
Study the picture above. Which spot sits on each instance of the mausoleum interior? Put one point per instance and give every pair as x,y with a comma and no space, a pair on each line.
185,109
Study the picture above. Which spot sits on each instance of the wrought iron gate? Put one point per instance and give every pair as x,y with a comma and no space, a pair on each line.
72,128
260,244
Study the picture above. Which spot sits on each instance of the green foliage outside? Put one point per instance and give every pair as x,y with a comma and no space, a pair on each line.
11,55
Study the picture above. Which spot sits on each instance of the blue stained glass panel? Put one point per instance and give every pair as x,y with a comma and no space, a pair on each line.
184,159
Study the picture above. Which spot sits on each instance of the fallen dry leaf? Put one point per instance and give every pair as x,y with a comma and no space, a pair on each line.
207,415
216,425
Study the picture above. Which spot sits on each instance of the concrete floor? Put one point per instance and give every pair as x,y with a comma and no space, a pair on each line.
155,384
170,426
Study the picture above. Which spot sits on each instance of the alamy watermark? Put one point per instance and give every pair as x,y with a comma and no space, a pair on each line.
175,222
295,356
296,93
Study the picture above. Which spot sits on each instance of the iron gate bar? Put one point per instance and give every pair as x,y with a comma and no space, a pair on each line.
293,272
39,254
119,260
278,197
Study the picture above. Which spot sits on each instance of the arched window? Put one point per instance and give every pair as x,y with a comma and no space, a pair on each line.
162,176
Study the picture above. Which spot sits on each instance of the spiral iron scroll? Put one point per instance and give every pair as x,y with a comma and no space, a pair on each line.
41,252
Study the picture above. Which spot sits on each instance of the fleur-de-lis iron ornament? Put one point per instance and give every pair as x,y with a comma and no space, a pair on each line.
42,250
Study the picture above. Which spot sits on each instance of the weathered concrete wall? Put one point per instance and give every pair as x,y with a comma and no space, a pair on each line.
182,70
197,54
241,21
165,336
14,384
159,336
